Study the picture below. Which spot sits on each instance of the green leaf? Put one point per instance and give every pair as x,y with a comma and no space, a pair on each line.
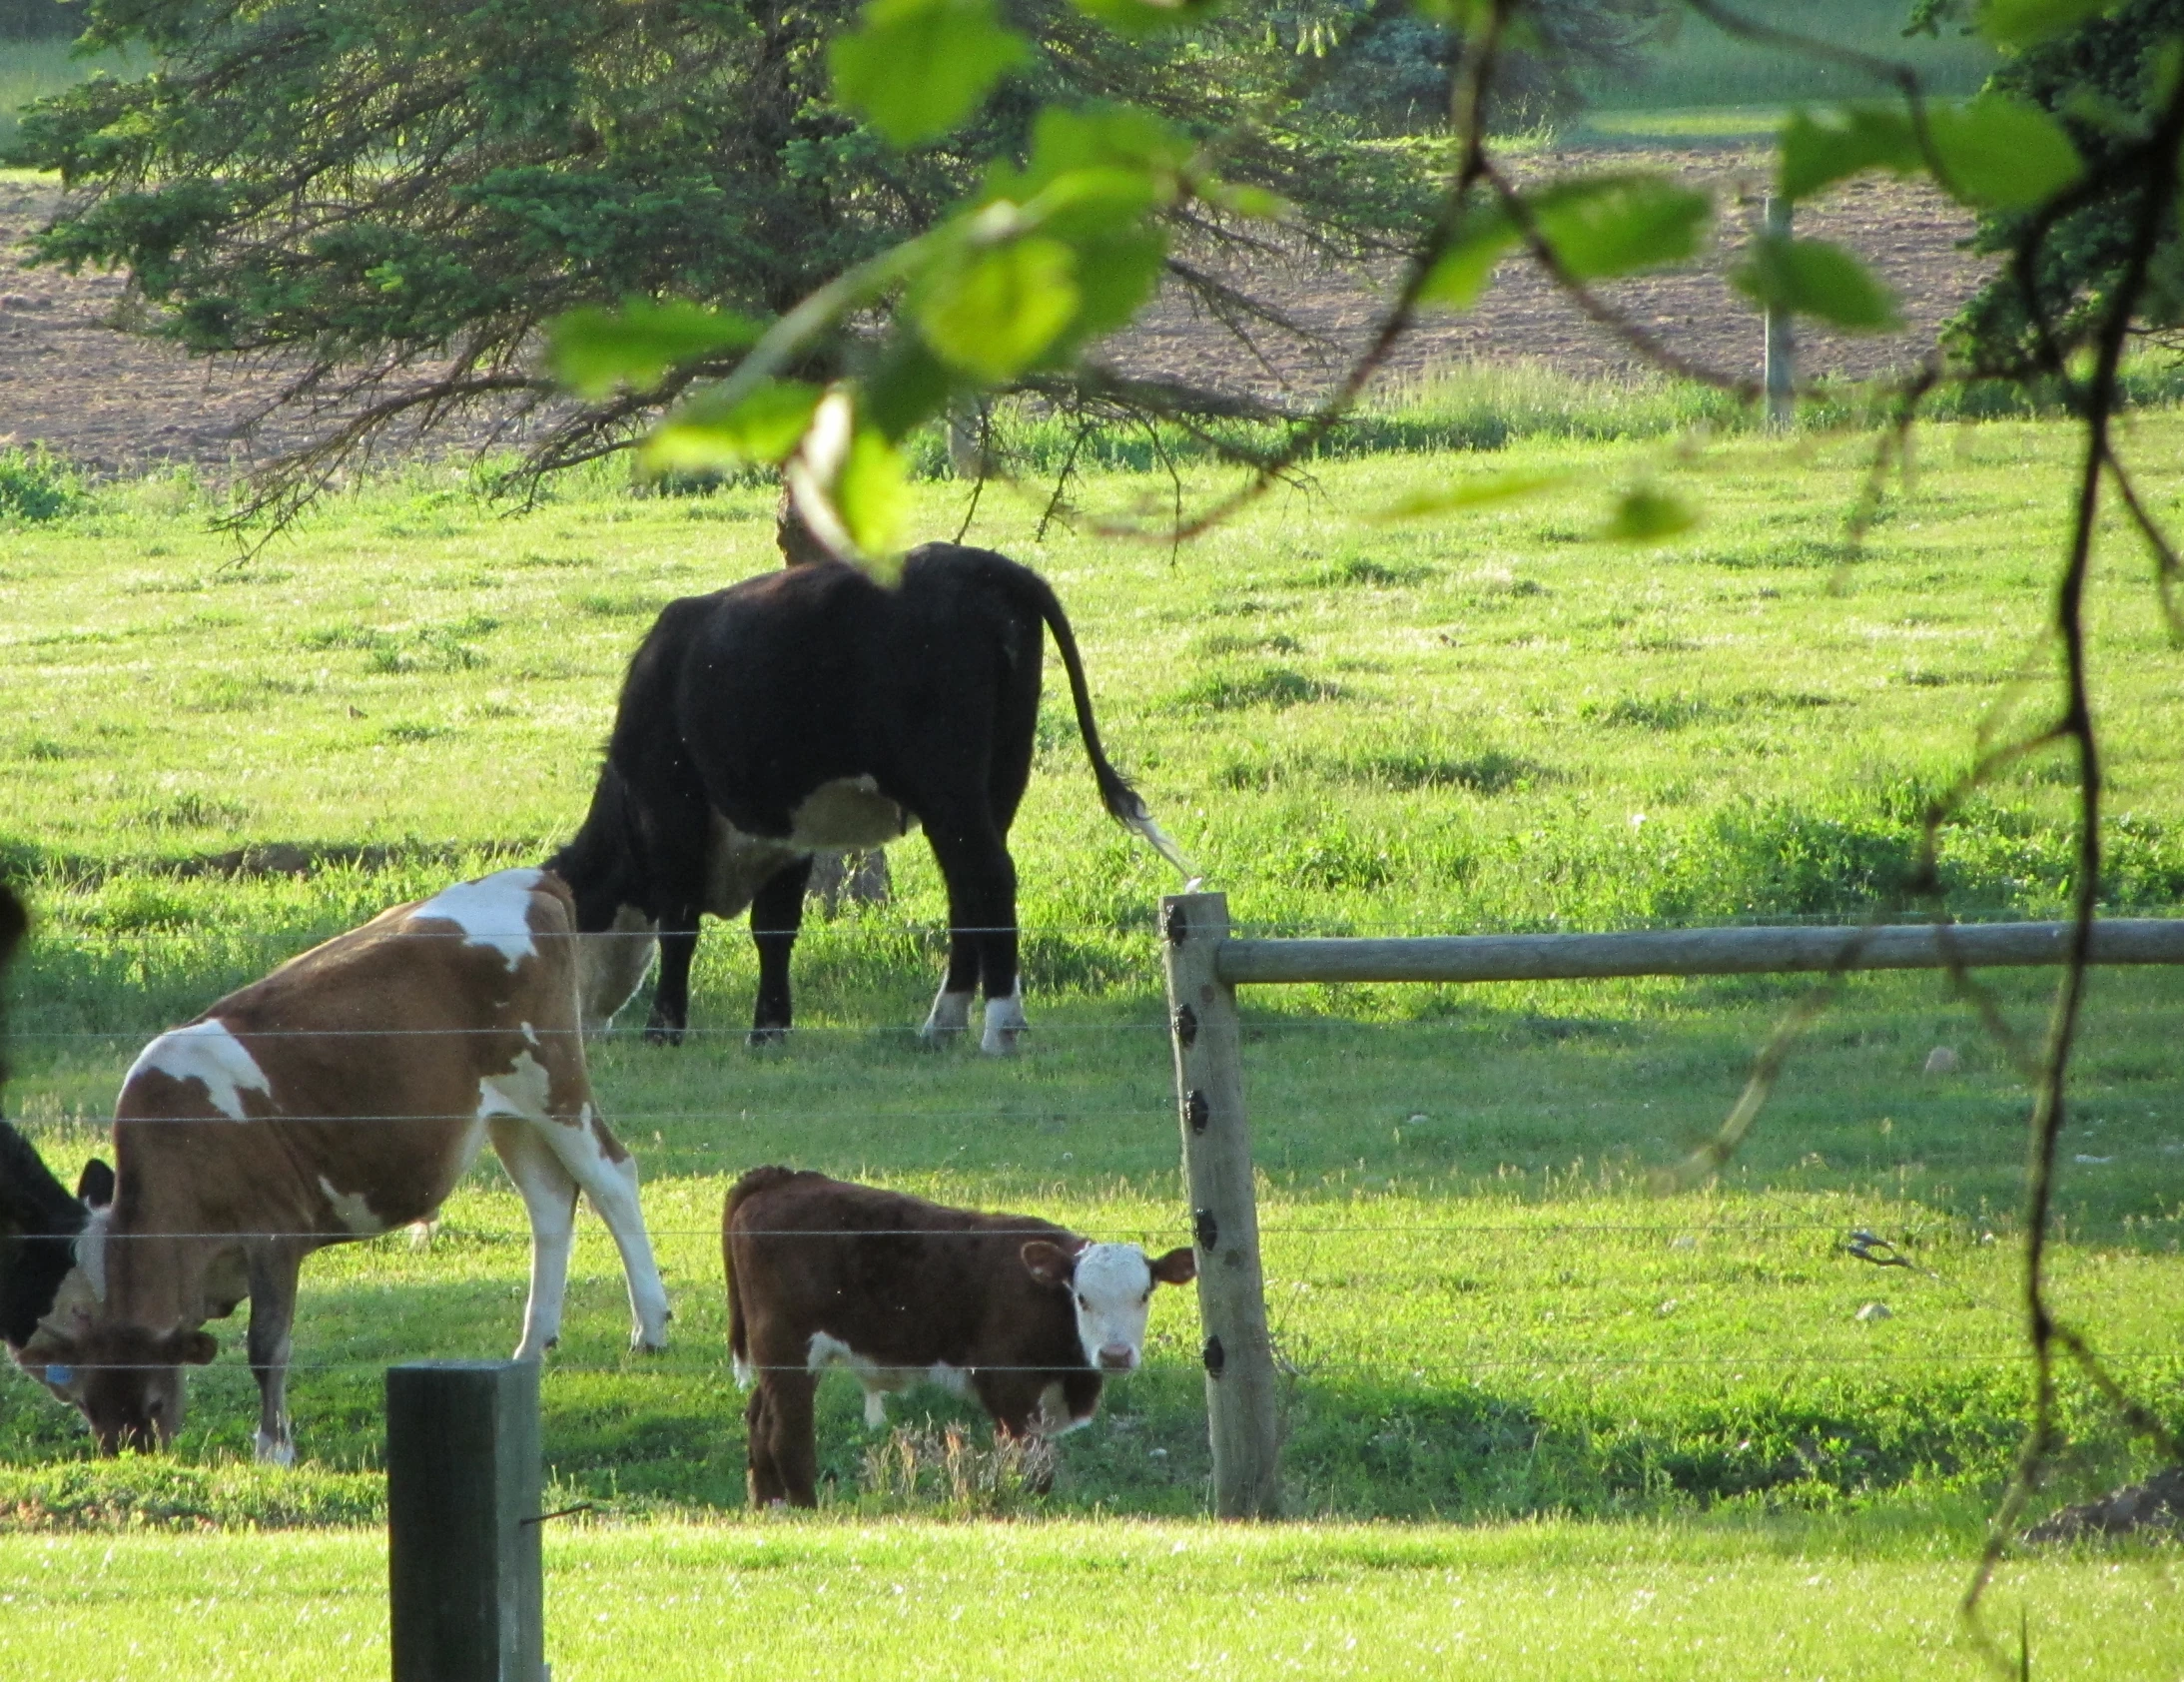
592,351
915,69
1146,17
2020,23
1481,491
2002,154
1097,137
1114,276
872,496
909,384
1467,261
700,436
1646,516
1813,277
1597,227
1615,225
993,312
1818,150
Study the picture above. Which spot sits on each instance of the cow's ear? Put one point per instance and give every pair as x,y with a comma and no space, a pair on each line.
1178,1267
95,1187
190,1348
1048,1262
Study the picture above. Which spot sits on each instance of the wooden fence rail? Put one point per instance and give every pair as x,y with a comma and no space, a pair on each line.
1689,952
1206,965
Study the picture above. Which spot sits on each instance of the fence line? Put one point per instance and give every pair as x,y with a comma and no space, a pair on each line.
1205,964
1693,952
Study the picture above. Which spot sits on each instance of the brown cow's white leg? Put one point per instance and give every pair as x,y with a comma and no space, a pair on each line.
273,1312
608,1175
549,1197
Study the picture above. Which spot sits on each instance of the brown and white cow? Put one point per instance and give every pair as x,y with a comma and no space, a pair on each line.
341,1096
1026,1315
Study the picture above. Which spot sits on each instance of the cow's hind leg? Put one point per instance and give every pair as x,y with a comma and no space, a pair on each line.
982,915
777,912
273,1273
763,1478
790,1448
590,1153
549,1191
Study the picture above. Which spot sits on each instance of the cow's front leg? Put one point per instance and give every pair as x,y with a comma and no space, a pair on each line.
777,912
273,1273
671,998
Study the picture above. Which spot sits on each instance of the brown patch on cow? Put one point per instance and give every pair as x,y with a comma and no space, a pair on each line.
615,1151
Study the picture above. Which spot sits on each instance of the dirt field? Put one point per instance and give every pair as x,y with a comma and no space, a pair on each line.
74,380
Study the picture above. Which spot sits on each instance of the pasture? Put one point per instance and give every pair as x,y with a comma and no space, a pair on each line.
1661,1408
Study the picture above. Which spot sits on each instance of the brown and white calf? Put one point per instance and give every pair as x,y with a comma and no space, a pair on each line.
338,1097
1026,1315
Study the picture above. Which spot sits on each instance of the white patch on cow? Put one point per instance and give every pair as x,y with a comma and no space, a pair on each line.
951,1014
90,1250
1053,1417
523,1091
737,865
1005,1023
530,1035
351,1211
613,964
846,813
1112,1289
274,1450
878,1382
494,911
746,1374
209,1054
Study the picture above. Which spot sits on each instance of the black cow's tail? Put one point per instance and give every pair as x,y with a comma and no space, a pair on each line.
1124,803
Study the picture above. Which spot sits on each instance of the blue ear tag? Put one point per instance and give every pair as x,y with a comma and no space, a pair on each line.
60,1376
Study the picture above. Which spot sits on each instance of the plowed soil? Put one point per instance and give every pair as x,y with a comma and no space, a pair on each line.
73,377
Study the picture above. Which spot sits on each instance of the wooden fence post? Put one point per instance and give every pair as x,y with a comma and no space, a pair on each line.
1239,1365
1782,357
467,1596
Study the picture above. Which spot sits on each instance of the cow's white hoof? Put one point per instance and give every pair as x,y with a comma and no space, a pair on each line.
1004,1025
948,1017
274,1450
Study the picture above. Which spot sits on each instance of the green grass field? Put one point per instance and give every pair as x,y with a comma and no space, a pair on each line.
1489,1317
1604,1603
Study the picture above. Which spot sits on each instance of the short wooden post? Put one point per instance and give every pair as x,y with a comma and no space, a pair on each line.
1239,1364
466,1596
1781,353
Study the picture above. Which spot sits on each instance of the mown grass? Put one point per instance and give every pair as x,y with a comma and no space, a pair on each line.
1710,1604
1485,1310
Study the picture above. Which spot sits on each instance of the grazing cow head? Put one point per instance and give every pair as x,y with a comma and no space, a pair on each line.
1111,1286
123,1379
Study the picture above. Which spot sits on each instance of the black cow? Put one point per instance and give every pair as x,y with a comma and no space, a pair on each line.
39,1221
813,710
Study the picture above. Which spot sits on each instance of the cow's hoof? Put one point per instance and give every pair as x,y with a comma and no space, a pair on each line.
642,1345
658,1032
761,1038
274,1450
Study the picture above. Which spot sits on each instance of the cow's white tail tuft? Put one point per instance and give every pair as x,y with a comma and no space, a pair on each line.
746,1374
1142,821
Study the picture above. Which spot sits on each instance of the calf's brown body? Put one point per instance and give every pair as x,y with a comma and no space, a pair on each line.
822,1272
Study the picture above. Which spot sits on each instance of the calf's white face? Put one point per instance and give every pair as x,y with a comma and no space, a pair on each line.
1110,1287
